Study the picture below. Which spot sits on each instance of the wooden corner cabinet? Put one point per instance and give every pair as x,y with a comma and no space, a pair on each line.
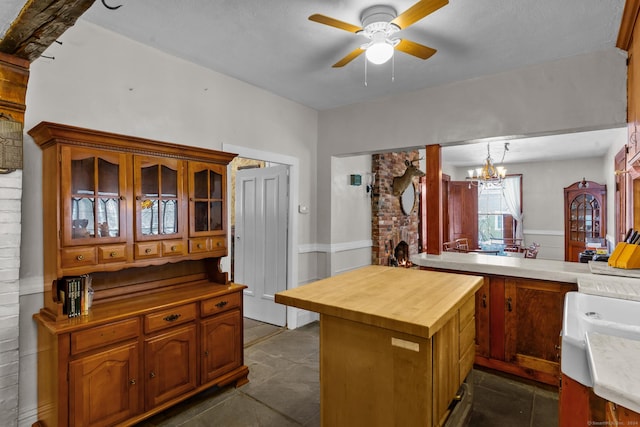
144,222
585,216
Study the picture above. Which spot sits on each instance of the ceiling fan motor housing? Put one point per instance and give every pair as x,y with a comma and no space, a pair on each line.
379,13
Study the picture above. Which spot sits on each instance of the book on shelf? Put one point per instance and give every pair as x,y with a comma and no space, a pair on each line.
73,294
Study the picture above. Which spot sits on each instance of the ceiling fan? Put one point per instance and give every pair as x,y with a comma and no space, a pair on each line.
379,24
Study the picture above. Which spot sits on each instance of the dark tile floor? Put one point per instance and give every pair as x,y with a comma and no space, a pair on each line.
284,390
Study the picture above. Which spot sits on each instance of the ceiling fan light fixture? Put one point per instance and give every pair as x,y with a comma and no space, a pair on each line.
379,53
380,50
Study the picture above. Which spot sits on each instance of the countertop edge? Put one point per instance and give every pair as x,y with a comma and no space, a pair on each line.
552,270
601,349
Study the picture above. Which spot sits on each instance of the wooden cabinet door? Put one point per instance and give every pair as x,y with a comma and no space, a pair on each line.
221,344
207,192
170,365
104,387
533,321
93,190
463,212
159,202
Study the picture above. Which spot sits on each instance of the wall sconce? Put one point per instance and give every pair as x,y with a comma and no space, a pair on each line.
10,144
370,179
355,180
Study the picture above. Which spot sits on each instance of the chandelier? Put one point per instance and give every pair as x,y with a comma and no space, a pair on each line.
488,174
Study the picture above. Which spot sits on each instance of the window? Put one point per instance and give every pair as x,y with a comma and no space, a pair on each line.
499,210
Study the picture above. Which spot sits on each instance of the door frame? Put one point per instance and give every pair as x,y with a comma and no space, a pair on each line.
292,225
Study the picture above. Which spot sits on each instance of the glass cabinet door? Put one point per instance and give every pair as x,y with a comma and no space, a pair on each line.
158,194
93,184
584,221
207,188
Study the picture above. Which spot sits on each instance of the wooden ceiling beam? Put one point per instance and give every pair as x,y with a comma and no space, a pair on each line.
39,24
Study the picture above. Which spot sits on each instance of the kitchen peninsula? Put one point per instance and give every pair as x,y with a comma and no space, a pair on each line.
518,309
391,339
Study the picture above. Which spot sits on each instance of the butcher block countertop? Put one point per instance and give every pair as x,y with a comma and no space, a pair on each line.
405,300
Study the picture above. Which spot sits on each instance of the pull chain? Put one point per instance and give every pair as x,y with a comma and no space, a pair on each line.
393,68
365,72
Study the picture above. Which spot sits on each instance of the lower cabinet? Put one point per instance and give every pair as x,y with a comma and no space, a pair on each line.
170,365
122,369
220,352
518,322
100,377
580,406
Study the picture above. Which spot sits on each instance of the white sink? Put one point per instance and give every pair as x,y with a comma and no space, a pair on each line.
592,313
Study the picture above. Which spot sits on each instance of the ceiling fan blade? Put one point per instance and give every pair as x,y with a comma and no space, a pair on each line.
350,57
417,12
334,23
415,49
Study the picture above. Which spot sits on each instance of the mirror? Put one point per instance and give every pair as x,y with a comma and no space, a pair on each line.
408,199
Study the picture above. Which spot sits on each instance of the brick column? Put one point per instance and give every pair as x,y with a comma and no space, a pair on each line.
389,225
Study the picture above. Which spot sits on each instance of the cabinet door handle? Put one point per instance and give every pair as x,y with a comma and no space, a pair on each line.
132,381
509,306
171,317
221,304
206,353
152,374
147,251
80,257
484,300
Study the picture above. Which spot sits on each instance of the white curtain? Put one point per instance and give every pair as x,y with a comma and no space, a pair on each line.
511,193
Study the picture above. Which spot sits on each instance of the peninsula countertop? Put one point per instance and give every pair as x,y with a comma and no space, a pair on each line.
405,300
543,269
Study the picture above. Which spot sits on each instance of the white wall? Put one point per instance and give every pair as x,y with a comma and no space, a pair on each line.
100,80
579,93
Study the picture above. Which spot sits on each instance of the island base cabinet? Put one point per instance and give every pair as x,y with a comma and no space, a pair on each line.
109,377
371,376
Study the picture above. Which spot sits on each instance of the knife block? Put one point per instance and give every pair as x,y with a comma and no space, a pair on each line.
626,256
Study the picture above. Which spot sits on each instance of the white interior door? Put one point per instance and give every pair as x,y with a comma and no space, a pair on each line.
260,255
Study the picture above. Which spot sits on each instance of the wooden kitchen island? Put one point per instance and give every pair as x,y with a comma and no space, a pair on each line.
395,344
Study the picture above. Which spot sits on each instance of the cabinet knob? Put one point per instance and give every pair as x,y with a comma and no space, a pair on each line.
174,248
132,381
80,257
200,246
152,374
219,243
147,251
206,353
113,254
122,198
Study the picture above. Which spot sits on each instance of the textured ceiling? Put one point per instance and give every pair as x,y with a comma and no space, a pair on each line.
272,45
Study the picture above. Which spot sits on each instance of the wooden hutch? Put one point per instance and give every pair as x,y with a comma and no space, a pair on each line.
146,221
585,217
